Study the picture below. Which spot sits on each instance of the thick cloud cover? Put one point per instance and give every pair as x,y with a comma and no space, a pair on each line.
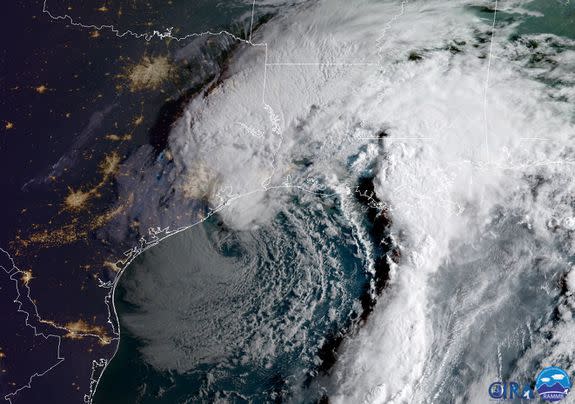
476,171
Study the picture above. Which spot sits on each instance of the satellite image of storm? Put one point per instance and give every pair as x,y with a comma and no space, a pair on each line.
287,201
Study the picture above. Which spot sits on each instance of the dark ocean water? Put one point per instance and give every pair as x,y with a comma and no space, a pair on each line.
215,313
65,97
555,17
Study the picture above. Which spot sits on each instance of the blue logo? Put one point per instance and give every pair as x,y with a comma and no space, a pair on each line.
510,391
552,384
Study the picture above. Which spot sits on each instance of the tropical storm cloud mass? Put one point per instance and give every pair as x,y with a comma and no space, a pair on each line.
303,202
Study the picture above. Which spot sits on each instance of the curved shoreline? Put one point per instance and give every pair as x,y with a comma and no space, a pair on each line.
147,244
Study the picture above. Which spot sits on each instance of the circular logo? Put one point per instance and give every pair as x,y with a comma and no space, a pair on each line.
496,390
552,384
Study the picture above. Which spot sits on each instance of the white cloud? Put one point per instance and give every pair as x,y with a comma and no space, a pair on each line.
472,165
